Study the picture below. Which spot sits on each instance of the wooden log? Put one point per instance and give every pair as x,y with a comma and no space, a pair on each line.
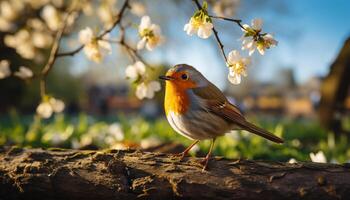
131,174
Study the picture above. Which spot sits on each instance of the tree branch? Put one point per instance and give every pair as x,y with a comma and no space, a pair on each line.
216,34
116,22
237,21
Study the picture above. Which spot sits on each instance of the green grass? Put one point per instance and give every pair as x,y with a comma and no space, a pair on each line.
301,136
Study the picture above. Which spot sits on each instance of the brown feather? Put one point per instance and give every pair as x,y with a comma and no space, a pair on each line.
217,103
227,111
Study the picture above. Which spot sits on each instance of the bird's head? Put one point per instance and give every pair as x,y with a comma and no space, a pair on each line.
185,77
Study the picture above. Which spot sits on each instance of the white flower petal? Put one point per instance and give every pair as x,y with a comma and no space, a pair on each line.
140,67
24,72
131,72
203,32
234,79
233,56
44,110
145,23
141,91
257,24
86,35
141,43
319,157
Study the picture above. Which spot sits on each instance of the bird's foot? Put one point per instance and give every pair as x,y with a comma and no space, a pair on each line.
180,155
204,163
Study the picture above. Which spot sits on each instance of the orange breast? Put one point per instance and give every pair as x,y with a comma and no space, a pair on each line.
176,99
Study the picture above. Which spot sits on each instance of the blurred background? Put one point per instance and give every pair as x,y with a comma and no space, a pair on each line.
298,90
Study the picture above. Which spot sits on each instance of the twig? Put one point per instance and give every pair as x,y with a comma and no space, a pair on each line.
52,57
237,21
132,52
115,23
216,34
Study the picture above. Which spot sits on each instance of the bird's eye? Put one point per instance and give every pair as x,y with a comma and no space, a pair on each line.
184,77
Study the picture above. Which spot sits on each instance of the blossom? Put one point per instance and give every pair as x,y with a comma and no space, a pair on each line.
292,161
24,72
94,48
319,157
57,105
150,34
147,89
254,39
150,142
106,12
52,17
41,39
200,23
137,8
22,42
8,11
237,66
4,69
44,110
267,42
48,106
203,30
136,70
5,25
115,133
225,8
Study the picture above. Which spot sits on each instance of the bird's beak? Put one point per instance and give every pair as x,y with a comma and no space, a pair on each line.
167,78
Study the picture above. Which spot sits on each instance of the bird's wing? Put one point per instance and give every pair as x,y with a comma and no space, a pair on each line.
212,96
217,103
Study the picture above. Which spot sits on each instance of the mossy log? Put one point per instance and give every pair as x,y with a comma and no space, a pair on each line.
131,174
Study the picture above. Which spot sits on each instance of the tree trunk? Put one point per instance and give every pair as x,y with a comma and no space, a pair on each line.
130,174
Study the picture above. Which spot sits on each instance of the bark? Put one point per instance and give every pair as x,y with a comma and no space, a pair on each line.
131,174
334,91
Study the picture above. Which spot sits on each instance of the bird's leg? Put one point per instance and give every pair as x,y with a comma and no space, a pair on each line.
204,162
184,153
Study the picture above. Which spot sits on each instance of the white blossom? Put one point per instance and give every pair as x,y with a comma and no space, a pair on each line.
150,34
24,72
237,67
225,8
52,17
254,39
7,10
94,49
136,70
292,161
4,69
319,157
106,12
116,132
267,42
199,25
150,142
5,25
44,110
137,8
50,105
41,39
57,105
147,89
22,42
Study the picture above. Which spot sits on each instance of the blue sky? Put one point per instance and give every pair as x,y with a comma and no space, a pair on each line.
310,34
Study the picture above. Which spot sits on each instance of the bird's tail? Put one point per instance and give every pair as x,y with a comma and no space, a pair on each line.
261,132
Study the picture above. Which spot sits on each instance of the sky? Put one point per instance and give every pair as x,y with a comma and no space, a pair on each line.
310,35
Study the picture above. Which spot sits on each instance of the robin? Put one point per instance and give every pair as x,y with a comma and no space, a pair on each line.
198,110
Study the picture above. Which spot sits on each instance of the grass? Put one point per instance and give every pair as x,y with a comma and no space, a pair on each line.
301,136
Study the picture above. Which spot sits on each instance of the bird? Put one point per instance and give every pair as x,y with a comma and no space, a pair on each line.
198,110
